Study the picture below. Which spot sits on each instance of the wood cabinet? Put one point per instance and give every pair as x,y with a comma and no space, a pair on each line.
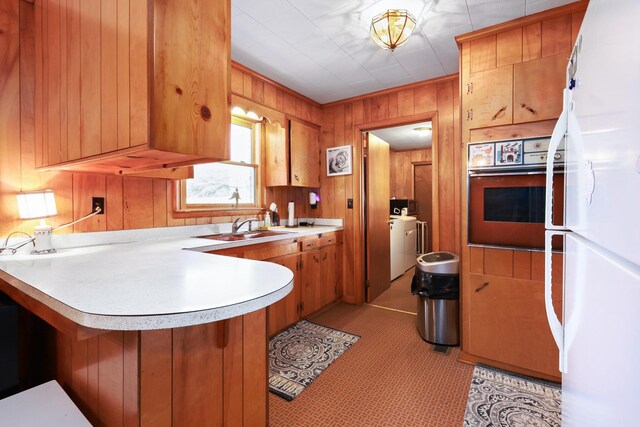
512,76
127,86
317,266
508,323
292,161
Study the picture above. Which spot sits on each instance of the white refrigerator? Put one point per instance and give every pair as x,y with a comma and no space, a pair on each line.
599,335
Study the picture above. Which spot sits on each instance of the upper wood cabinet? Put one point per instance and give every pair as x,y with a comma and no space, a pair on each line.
489,94
537,89
124,86
293,157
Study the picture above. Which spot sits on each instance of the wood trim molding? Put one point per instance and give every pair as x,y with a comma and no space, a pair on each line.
391,90
473,360
577,6
247,70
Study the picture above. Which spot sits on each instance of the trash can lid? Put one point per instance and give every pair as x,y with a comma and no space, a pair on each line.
439,263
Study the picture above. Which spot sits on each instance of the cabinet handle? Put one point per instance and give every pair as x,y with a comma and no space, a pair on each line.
316,259
325,256
296,177
484,285
500,113
529,109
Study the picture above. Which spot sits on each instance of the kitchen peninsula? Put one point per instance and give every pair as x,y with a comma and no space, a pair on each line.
148,333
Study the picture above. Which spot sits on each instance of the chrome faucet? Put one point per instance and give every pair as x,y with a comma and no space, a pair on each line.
235,226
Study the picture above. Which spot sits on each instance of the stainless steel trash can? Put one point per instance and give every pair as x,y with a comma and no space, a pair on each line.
437,285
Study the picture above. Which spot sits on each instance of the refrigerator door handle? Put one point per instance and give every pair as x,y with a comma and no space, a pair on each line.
559,132
557,329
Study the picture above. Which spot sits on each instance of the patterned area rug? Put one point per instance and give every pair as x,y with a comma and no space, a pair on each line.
497,398
299,354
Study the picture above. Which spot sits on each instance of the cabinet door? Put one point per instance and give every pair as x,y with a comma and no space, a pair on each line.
276,155
285,312
328,274
537,93
304,151
489,98
508,324
311,287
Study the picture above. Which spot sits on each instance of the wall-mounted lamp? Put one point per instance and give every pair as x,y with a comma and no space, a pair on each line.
40,205
313,199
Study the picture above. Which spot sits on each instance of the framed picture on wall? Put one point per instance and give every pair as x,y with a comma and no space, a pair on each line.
339,161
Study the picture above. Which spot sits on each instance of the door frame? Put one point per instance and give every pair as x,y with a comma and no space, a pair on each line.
359,195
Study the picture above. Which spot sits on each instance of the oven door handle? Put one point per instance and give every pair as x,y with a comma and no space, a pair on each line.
559,133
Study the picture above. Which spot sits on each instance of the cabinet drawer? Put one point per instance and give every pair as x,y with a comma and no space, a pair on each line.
327,240
271,251
308,245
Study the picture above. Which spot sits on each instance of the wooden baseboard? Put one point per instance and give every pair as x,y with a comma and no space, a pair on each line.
473,360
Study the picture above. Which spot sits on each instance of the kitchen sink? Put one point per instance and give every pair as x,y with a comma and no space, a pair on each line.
248,235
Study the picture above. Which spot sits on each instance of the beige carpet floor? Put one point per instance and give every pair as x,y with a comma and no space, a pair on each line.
390,377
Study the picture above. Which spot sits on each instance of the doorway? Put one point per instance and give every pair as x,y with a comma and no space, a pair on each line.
402,172
423,191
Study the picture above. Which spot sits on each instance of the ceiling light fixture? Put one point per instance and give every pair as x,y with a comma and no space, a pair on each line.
392,28
423,129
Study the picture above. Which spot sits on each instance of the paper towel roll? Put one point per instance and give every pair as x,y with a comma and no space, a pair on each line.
291,209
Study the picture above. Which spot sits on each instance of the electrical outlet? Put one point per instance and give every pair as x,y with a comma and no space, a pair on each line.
97,202
349,203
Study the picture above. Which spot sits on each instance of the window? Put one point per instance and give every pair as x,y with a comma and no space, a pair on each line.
216,185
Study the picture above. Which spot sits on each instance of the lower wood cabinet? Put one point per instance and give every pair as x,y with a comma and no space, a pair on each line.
507,323
316,262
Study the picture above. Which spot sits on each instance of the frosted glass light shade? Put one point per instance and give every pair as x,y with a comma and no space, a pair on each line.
37,204
392,28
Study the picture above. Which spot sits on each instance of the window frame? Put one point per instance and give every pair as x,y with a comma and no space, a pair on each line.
213,208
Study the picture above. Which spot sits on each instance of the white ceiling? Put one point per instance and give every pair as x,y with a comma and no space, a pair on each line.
402,138
321,48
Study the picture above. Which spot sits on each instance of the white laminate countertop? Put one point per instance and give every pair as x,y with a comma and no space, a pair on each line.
154,283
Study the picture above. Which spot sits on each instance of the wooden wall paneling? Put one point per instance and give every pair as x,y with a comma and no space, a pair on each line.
483,53
289,104
509,47
93,378
576,22
257,90
10,138
425,98
379,107
53,94
73,96
131,375
114,204
232,381
498,262
279,99
366,109
138,202
111,378
446,169
160,209
407,176
155,361
556,35
405,103
79,374
255,375
171,220
458,154
197,374
531,42
270,97
139,54
109,78
86,186
64,83
123,70
63,359
522,265
237,81
38,73
247,85
392,100
90,88
347,270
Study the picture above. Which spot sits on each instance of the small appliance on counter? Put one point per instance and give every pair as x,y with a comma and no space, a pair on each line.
396,207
